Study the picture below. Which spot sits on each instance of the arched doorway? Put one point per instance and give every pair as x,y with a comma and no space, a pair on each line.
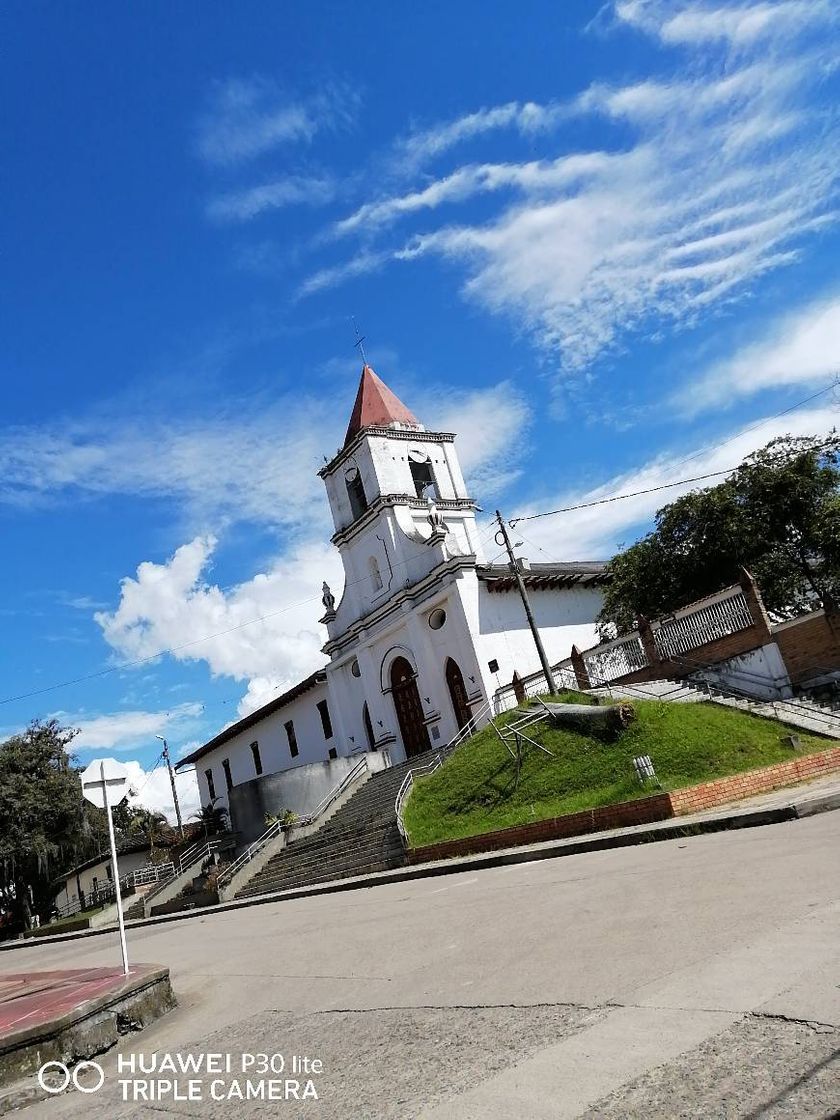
457,694
415,735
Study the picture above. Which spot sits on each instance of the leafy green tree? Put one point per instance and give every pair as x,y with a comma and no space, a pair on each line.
150,826
43,826
778,515
212,817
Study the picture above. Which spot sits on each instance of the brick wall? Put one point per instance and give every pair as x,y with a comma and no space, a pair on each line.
722,790
645,810
642,811
809,644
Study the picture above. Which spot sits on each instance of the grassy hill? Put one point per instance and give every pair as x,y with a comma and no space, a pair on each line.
473,792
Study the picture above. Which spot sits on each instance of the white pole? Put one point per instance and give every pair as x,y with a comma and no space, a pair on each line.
115,868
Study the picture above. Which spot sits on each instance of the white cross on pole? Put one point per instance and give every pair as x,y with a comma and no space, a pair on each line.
100,776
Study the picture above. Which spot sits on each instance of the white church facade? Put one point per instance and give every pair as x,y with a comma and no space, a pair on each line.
426,629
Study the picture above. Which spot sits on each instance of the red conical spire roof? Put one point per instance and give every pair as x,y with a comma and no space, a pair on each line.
376,406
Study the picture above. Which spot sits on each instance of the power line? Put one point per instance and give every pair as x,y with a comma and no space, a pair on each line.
687,459
620,497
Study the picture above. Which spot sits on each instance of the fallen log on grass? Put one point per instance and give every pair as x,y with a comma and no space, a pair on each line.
603,721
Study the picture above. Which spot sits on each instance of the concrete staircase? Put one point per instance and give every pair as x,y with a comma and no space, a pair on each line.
361,837
810,715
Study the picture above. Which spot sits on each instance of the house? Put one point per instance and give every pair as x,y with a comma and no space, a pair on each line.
426,631
92,881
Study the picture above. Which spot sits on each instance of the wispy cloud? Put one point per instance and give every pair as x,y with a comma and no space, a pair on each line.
126,730
740,24
586,248
243,205
248,118
600,530
801,349
252,461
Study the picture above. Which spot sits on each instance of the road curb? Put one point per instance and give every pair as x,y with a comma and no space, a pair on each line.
669,830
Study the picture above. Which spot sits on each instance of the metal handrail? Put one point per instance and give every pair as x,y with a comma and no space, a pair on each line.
190,858
466,732
277,827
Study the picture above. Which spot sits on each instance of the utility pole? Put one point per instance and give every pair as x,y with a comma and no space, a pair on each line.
520,583
172,783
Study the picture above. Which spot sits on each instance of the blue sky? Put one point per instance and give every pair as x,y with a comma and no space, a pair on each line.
599,243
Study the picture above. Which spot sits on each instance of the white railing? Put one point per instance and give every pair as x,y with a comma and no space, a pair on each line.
504,699
152,874
466,732
717,617
405,789
277,827
615,659
195,854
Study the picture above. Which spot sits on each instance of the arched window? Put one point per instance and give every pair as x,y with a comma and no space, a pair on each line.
356,492
375,574
368,728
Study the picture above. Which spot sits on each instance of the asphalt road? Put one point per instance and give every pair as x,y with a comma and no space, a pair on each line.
690,978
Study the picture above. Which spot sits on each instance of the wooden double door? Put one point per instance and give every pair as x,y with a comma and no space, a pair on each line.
415,734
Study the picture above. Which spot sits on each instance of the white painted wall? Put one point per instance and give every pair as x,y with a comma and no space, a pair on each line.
564,618
127,862
760,672
270,733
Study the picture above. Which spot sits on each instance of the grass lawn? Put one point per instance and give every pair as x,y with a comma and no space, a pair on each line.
689,743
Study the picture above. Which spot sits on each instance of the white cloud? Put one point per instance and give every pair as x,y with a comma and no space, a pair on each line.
120,731
739,24
649,229
242,205
154,791
171,606
490,425
524,117
801,349
251,461
596,533
249,118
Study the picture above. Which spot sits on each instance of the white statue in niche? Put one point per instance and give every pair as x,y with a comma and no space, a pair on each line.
375,574
435,520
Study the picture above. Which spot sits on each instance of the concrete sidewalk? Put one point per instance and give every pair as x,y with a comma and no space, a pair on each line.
791,803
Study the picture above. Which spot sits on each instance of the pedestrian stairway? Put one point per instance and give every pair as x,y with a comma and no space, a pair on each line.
822,718
361,837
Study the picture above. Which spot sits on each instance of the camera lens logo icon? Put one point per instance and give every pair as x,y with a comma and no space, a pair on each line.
55,1077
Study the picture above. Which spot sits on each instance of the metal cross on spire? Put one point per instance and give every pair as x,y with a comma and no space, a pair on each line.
360,339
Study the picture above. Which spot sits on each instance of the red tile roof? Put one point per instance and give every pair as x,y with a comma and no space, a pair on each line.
376,406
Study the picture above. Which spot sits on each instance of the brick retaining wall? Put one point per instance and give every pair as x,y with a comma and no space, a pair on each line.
809,645
645,810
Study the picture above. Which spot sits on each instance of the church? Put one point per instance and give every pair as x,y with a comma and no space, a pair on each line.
424,634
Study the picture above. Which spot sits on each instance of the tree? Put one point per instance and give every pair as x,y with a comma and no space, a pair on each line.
778,515
43,826
212,817
151,826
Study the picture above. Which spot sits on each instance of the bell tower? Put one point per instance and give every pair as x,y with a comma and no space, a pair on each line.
398,499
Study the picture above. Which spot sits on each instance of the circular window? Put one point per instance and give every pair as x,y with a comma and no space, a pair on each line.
354,668
437,618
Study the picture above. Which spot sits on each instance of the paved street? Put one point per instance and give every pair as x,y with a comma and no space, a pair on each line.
691,978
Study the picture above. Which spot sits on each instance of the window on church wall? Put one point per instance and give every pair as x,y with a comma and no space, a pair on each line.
326,722
375,574
422,476
368,728
228,778
255,753
290,735
356,493
211,785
